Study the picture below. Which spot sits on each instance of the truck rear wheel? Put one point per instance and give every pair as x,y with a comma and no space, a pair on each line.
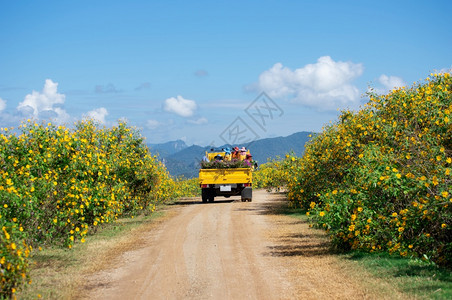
211,195
204,195
247,194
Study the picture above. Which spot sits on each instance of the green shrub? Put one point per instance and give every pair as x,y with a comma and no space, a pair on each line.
57,184
379,179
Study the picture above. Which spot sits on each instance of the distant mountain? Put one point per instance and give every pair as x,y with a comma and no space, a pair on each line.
270,148
168,148
185,162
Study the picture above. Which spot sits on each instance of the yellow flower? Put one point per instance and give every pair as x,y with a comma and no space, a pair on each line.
435,180
351,228
443,225
401,229
394,214
322,213
445,194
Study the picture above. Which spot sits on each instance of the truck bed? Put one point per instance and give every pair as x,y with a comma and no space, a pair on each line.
225,176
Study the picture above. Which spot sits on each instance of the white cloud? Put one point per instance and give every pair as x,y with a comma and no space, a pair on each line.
199,121
324,85
386,84
46,104
106,89
153,124
182,107
2,104
97,114
391,82
443,70
143,86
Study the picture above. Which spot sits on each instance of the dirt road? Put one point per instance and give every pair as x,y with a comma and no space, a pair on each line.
227,250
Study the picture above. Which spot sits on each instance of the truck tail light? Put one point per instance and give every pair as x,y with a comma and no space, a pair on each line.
204,185
247,184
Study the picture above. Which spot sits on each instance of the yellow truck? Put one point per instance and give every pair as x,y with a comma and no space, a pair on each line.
223,176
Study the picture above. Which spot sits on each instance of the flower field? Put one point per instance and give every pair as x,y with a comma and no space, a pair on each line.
379,179
58,184
271,175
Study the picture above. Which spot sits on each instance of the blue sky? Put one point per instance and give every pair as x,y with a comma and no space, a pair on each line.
195,70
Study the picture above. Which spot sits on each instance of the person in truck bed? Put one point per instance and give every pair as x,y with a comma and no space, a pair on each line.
242,153
235,153
250,162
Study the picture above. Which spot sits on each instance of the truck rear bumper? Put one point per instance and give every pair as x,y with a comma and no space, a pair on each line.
226,189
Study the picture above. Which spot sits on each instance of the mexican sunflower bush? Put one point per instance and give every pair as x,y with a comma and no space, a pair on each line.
57,184
379,179
271,175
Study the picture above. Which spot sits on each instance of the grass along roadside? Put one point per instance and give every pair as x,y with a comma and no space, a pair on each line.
413,277
389,276
59,273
